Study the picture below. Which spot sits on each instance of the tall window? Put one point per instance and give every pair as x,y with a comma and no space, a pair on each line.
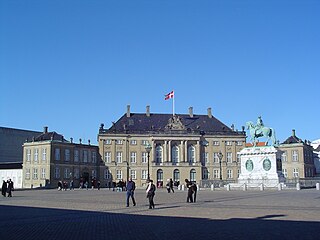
229,157
206,157
85,156
35,173
119,157
76,155
94,157
295,172
133,174
175,154
144,157
191,154
28,155
107,157
119,174
44,154
133,157
57,172
295,156
66,172
76,173
36,155
176,175
216,173
238,172
43,173
107,174
144,174
192,175
215,157
67,155
57,154
229,173
284,156
159,154
160,175
27,173
285,172
205,173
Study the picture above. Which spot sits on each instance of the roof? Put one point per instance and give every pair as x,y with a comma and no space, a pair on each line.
50,136
292,140
13,165
259,144
167,123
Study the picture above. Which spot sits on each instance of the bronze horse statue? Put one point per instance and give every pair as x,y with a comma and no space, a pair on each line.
263,131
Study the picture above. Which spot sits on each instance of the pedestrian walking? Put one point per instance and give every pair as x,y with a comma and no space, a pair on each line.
10,188
98,184
171,185
131,186
59,185
4,188
151,188
188,185
71,185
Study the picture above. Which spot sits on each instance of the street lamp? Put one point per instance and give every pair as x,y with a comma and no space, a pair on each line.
220,156
148,149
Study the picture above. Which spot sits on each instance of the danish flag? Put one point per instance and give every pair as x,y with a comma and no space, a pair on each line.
169,95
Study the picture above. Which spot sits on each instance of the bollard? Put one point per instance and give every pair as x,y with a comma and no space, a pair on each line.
298,186
262,187
280,186
198,188
179,187
182,187
244,187
212,187
318,186
228,187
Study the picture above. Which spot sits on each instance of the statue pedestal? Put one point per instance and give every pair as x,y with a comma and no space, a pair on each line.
259,166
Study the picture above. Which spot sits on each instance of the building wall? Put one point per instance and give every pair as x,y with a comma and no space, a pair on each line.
14,174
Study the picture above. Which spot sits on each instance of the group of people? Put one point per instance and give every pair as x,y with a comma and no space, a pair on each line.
192,191
7,188
64,185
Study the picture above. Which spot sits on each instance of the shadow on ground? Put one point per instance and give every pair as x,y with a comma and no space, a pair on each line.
43,223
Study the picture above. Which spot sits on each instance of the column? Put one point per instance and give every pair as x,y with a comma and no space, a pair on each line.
186,151
169,158
165,151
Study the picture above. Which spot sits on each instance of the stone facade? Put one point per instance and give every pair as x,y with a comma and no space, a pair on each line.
183,146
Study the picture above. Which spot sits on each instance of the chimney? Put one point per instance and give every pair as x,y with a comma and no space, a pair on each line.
89,141
148,111
209,112
232,127
80,140
191,112
128,111
71,140
293,133
45,129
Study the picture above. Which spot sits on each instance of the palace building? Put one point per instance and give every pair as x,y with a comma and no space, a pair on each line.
183,146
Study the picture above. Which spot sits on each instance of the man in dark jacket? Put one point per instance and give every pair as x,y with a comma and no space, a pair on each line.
190,192
4,188
131,186
10,188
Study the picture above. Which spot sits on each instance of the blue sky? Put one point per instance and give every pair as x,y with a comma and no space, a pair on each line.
71,65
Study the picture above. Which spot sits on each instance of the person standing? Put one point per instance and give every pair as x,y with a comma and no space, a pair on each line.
4,188
10,188
150,193
194,189
131,186
189,187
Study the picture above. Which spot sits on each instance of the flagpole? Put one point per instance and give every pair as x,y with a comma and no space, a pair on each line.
173,103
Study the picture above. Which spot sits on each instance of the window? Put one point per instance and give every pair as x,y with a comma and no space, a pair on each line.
107,157
239,143
144,157
133,157
28,155
107,141
175,154
159,154
191,154
133,142
228,143
27,173
119,157
215,157
284,156
94,173
238,172
57,172
229,173
216,143
119,142
35,173
133,174
238,158
206,157
205,173
160,175
176,175
43,173
76,173
144,142
285,172
144,174
119,174
295,156
85,156
36,154
192,175
295,172
107,174
94,157
229,157
215,173
57,154
76,155
44,154
67,155
66,172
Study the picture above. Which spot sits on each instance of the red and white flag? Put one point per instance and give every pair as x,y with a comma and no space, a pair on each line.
169,95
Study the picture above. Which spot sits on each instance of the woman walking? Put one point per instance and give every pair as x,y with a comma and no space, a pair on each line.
150,193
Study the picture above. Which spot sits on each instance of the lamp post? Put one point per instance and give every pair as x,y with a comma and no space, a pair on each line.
220,156
148,149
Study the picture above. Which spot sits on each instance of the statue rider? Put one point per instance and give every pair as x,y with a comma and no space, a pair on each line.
259,125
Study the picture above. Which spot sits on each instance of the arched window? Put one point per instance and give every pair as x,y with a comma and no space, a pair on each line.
159,175
192,175
191,154
176,175
159,151
175,154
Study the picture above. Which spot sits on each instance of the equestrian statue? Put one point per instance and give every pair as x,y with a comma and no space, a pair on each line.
259,130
